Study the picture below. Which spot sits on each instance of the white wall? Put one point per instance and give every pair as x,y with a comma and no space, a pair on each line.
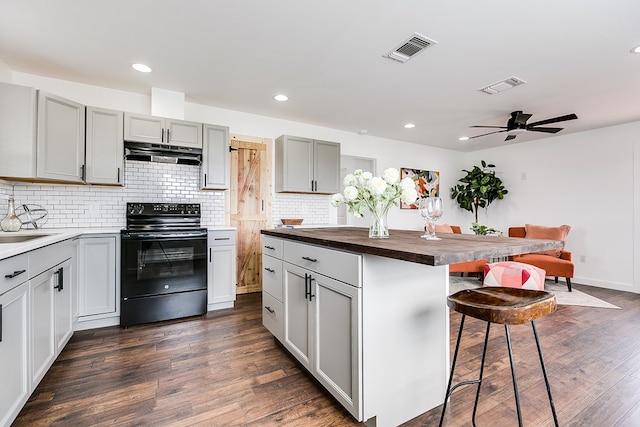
587,180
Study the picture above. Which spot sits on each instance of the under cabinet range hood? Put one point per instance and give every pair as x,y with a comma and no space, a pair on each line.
161,153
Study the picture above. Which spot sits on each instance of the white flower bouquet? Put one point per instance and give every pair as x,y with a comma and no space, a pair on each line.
363,192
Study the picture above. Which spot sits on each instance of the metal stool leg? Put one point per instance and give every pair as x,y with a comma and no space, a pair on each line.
453,366
513,374
544,373
484,354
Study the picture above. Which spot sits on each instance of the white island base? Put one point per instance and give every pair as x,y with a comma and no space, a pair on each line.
405,339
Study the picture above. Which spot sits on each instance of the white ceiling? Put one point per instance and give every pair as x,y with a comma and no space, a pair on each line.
327,56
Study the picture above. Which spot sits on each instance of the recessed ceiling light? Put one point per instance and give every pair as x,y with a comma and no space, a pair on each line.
281,98
141,67
635,49
463,138
409,126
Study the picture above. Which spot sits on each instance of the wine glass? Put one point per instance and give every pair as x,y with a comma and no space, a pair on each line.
424,213
434,209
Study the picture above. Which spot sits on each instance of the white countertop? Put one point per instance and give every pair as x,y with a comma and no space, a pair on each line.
55,235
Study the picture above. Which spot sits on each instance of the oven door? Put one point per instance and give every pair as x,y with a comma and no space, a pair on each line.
157,263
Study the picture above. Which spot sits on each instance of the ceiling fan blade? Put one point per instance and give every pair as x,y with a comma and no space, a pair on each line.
485,134
547,130
521,118
492,127
510,137
553,120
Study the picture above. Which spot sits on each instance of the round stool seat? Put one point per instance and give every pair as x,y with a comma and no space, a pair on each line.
510,306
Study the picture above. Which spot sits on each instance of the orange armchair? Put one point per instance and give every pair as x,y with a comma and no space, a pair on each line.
475,267
554,266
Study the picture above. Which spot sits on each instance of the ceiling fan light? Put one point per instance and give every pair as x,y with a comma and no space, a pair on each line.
516,131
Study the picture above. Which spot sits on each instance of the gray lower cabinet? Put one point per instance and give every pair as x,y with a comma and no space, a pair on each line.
304,165
99,278
321,315
61,136
14,348
104,146
221,270
215,158
51,285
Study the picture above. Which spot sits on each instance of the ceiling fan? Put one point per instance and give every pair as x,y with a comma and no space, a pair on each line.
518,123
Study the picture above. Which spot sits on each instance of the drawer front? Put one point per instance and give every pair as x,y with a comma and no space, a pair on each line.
339,265
272,315
221,237
40,260
14,270
272,246
272,276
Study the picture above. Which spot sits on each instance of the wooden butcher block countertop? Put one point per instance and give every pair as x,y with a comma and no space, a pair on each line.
407,245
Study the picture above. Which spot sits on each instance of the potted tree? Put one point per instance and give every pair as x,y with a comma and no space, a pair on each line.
478,189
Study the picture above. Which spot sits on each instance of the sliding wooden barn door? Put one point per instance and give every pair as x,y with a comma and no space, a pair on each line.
250,206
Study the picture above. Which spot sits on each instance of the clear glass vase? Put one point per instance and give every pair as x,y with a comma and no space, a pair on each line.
379,228
11,222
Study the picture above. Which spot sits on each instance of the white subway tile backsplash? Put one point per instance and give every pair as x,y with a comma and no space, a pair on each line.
104,206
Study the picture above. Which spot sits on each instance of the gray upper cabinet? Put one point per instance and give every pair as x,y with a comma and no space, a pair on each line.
60,141
158,130
105,146
18,121
215,157
306,165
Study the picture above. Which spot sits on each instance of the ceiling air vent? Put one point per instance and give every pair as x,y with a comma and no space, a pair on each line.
410,47
502,85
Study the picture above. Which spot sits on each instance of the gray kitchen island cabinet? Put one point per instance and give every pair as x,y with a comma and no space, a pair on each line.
315,316
305,165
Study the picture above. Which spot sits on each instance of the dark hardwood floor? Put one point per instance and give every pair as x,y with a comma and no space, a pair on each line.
225,369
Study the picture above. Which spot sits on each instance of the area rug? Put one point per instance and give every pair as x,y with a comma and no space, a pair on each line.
563,296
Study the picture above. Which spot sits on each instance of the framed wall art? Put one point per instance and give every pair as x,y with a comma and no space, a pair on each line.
427,184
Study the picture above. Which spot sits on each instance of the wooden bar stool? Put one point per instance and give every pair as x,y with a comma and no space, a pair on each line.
507,306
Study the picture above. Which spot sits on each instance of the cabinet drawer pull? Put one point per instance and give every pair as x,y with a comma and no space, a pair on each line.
309,259
270,248
60,273
221,238
270,270
0,322
15,273
269,309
